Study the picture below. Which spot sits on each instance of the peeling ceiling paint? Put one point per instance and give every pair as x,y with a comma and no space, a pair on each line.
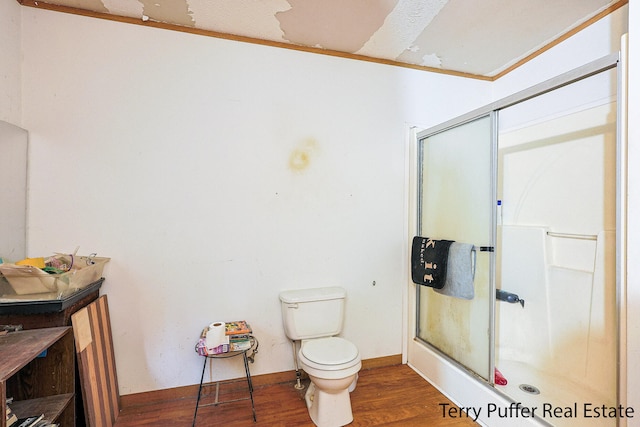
248,18
401,28
93,5
474,37
330,24
504,34
123,8
176,12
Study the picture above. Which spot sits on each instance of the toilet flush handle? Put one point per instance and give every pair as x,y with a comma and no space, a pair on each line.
294,305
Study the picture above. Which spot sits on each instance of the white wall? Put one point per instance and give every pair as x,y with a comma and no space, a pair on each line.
184,158
633,219
10,78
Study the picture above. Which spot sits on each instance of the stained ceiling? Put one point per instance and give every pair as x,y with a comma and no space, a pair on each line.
478,38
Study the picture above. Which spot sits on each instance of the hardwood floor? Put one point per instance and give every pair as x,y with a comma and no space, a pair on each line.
386,396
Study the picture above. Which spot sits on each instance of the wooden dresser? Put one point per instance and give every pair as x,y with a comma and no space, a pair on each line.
37,371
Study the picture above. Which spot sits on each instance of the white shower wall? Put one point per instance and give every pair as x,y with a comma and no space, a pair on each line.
557,246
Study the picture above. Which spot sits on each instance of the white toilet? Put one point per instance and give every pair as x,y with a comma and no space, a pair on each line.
314,317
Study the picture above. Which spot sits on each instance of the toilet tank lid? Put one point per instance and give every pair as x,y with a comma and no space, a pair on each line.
314,294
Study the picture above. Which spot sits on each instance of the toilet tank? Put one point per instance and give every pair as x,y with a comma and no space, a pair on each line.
312,313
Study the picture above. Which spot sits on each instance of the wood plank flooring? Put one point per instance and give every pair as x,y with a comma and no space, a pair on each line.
386,396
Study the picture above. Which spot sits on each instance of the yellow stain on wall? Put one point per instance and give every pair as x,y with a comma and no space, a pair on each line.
300,158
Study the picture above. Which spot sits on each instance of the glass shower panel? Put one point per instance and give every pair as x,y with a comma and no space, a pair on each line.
455,203
556,248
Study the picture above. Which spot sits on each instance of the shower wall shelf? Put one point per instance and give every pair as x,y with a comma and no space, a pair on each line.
572,236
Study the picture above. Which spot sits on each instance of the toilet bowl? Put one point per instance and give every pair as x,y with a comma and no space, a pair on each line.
314,318
332,364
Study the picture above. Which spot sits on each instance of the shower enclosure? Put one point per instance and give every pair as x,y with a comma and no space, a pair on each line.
531,182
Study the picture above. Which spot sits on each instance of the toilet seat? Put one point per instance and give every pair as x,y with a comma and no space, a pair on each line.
329,354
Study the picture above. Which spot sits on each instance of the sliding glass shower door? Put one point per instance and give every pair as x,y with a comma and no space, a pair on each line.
455,204
532,181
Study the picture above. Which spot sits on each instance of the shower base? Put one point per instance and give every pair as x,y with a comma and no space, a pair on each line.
554,391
